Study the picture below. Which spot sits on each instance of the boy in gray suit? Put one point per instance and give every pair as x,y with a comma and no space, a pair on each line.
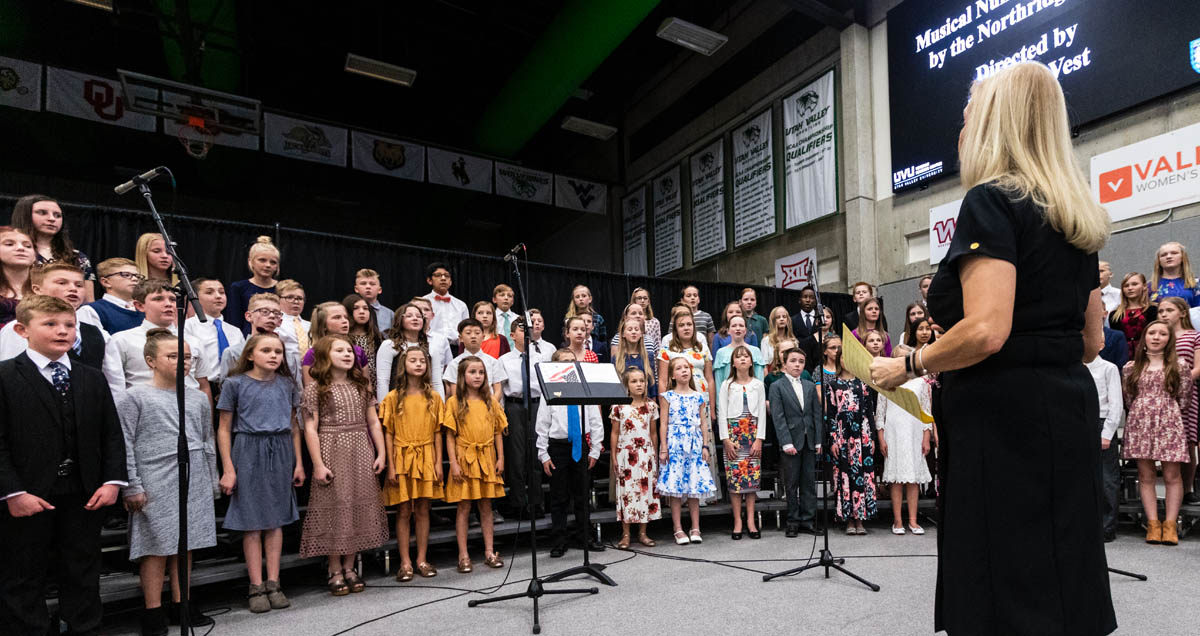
797,416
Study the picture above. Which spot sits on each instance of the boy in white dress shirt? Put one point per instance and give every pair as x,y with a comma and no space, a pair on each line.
560,448
448,311
63,281
1112,408
516,441
502,298
471,334
215,336
293,328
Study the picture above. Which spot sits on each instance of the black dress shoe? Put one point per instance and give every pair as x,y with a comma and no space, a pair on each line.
1191,498
755,534
154,622
557,551
792,531
1110,536
736,536
810,529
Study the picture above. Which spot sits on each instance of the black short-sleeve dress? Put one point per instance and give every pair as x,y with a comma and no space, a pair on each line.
1020,549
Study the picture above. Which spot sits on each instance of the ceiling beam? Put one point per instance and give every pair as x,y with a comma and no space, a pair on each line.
822,13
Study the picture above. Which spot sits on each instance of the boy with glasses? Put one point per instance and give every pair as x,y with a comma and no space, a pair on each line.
115,311
293,328
264,316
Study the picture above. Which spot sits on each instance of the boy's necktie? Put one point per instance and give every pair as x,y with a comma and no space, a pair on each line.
60,378
574,434
222,339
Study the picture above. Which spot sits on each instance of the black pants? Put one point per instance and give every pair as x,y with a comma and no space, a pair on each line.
569,485
63,543
517,453
1110,482
800,485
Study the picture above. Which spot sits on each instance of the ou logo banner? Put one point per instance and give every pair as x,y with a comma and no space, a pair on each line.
942,222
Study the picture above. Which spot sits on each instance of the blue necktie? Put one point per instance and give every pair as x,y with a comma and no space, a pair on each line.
222,340
574,434
60,378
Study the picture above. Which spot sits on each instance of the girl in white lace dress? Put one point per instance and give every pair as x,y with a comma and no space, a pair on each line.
904,441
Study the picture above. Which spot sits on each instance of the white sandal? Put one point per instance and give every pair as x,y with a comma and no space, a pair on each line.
916,529
681,538
899,530
695,537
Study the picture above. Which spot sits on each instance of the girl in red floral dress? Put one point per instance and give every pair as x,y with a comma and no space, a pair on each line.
634,440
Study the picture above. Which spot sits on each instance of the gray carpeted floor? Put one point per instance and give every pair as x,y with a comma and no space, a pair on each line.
671,596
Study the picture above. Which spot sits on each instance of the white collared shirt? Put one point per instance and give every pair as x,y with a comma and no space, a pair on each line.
541,350
43,366
287,333
13,345
446,316
1108,386
125,364
385,359
1111,297
552,424
797,386
205,336
89,315
514,385
495,372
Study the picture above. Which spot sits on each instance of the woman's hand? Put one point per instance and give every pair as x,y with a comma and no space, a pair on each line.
888,373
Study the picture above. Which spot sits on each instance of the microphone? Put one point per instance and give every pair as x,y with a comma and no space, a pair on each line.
136,181
514,252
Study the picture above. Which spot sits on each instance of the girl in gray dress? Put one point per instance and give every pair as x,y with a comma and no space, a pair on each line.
259,440
150,420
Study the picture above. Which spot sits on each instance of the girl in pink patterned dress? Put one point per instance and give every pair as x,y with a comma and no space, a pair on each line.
634,443
1156,390
1174,312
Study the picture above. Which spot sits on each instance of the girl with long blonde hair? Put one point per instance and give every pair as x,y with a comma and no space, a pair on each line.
1173,275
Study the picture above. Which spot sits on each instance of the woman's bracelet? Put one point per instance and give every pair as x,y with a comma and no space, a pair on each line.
908,365
921,362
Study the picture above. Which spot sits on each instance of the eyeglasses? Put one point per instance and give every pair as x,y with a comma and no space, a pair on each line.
137,278
292,298
271,313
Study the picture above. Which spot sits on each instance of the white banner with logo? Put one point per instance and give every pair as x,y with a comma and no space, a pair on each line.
795,270
753,180
222,138
391,157
633,231
577,194
518,182
1156,174
942,221
95,98
668,222
457,170
20,84
810,152
708,201
301,139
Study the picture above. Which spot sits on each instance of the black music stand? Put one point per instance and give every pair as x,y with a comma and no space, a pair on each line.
582,384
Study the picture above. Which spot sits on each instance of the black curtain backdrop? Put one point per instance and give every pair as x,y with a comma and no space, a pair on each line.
325,264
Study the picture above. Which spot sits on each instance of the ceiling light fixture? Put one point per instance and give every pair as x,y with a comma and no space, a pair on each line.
368,67
587,127
103,5
691,36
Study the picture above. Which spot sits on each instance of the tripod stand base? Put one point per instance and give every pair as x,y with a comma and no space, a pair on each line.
592,570
534,591
826,561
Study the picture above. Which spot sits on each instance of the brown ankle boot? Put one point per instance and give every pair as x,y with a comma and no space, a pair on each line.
1154,531
1170,534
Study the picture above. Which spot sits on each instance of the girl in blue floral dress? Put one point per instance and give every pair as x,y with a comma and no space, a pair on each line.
683,458
849,418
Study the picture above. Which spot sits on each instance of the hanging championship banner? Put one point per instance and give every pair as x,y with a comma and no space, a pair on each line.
668,223
810,152
708,201
577,194
20,84
301,139
633,224
517,182
795,271
753,180
391,157
95,98
943,220
457,170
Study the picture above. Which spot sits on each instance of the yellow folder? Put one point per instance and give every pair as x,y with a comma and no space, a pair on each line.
857,360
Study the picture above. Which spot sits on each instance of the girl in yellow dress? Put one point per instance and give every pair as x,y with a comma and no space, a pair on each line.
412,414
474,423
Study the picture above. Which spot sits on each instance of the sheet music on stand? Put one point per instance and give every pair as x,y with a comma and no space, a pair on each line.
571,383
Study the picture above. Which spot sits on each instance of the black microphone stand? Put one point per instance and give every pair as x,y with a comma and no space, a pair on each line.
827,560
184,294
535,590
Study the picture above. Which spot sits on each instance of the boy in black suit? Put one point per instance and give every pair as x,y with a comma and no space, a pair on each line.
62,459
797,416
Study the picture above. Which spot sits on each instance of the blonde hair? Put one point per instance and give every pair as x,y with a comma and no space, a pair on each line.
1018,136
776,335
40,304
572,309
316,325
624,348
671,383
649,311
1189,281
109,266
141,258
1144,300
462,393
262,245
286,285
260,298
365,273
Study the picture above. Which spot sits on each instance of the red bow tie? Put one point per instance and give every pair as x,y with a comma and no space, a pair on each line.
444,299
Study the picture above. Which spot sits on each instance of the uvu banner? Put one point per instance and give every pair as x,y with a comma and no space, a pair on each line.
633,223
518,182
708,201
392,157
810,152
753,180
668,223
302,139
